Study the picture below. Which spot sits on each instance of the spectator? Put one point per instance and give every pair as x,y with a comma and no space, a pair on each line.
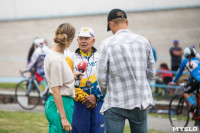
198,54
166,76
176,53
126,65
89,99
154,52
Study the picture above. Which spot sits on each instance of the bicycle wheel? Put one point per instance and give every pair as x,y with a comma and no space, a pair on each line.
178,112
27,96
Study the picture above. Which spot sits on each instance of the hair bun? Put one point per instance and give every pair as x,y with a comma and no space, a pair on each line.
62,37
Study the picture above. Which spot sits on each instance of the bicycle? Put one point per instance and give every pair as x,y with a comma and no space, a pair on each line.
28,92
179,114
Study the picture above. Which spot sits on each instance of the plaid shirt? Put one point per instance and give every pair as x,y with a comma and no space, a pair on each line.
126,65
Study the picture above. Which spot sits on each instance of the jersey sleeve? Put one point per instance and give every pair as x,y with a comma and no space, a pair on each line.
180,71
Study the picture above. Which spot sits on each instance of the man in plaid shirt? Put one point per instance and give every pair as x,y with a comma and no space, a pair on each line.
126,65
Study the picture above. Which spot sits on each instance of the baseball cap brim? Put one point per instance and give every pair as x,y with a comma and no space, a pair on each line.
84,35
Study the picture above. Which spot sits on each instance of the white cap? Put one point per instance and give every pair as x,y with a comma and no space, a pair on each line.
86,32
39,42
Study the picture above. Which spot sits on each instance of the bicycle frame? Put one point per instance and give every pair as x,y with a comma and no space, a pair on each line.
31,81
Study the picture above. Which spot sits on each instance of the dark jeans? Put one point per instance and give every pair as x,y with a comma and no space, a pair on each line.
115,120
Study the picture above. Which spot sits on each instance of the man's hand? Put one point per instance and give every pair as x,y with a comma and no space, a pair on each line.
90,101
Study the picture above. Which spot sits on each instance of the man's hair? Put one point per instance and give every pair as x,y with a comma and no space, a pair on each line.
119,20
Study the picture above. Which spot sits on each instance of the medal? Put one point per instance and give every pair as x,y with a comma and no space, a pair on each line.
88,84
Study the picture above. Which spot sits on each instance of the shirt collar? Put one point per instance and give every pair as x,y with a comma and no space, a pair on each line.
122,30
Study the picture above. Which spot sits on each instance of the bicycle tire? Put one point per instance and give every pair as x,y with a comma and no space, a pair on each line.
178,112
27,101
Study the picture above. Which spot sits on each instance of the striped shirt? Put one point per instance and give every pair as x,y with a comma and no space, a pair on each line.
126,65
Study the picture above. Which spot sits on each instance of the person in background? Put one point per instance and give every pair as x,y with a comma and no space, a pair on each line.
166,76
154,51
31,50
89,99
36,64
192,64
33,47
60,104
126,65
197,53
176,53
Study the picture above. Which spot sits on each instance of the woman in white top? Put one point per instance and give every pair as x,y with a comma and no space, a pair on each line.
60,79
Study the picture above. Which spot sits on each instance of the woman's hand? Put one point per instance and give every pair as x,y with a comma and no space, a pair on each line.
78,74
66,125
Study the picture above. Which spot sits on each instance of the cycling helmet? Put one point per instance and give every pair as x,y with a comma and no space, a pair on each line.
189,52
39,42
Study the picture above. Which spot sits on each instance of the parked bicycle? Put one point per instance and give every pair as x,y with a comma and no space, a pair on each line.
179,114
29,93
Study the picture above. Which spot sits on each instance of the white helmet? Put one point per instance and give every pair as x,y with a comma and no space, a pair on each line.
189,52
39,42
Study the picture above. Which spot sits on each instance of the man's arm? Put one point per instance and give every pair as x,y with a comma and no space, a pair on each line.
178,52
102,69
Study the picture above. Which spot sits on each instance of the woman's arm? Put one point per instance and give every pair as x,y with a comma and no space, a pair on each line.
59,104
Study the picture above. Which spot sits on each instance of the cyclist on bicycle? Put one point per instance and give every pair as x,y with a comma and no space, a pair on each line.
193,66
36,62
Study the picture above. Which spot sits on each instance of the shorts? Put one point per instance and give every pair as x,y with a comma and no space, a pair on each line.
52,115
192,86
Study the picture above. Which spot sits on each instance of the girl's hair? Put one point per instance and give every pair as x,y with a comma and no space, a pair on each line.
164,65
63,34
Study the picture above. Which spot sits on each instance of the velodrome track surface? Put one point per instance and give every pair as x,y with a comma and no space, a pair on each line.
160,27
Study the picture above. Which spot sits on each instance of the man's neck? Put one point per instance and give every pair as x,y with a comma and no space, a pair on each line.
87,53
120,27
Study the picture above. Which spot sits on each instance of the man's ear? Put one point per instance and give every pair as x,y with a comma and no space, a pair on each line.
110,23
127,22
93,41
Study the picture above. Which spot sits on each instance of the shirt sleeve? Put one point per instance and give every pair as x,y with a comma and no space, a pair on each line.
56,72
102,69
151,70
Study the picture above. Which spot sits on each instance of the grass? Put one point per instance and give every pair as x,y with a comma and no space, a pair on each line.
29,122
8,85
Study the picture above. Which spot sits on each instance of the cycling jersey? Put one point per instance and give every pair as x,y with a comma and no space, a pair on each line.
194,71
39,52
74,59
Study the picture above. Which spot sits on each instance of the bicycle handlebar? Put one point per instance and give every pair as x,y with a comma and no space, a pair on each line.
22,74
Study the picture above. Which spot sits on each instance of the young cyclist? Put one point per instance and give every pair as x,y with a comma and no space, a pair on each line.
193,66
36,62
